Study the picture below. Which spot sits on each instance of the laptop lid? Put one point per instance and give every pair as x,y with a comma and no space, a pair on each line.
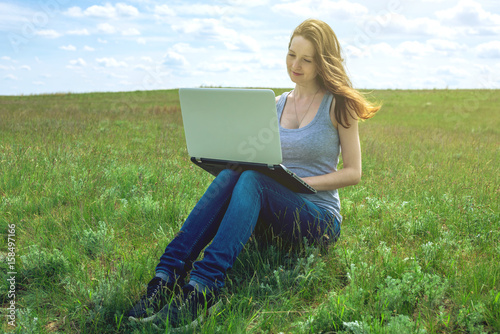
231,124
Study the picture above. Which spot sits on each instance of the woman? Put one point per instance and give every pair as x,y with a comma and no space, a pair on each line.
317,119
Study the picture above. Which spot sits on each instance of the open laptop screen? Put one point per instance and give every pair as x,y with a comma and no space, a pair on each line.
231,124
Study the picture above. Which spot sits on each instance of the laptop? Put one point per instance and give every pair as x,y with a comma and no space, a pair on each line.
236,129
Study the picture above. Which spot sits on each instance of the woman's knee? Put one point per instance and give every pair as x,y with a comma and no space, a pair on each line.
248,184
227,177
250,177
228,173
251,174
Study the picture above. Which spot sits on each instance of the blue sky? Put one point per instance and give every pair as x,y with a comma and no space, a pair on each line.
51,46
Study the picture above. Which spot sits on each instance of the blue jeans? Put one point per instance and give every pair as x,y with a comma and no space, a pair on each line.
227,214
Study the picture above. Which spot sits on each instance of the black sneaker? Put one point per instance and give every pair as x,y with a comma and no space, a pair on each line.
188,311
159,292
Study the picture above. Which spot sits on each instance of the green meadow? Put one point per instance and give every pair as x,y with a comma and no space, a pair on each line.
93,187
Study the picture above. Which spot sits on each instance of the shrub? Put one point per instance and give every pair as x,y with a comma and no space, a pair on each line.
98,241
41,265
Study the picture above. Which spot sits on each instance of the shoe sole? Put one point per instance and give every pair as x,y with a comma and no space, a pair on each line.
214,308
147,319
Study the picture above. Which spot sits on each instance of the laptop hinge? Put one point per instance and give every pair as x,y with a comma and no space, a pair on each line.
271,167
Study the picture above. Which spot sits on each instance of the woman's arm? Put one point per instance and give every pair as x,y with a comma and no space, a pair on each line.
350,174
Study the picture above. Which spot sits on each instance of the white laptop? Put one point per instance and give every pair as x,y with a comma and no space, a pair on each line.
236,129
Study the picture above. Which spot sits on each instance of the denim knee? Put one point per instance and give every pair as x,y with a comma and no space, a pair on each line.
228,173
250,176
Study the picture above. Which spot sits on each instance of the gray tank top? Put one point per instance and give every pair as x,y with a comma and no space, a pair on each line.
313,150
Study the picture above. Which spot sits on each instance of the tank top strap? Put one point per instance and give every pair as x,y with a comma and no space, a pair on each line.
324,108
281,104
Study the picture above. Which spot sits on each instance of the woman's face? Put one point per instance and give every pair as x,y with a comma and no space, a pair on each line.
300,61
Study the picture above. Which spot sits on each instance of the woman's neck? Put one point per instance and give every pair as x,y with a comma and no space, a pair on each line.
306,91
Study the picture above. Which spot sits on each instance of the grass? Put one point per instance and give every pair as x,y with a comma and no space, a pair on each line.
97,184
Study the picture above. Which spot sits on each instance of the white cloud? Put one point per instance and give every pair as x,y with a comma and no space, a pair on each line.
422,26
68,47
404,49
245,63
131,32
311,8
483,31
7,68
48,33
469,13
212,29
141,67
126,10
173,58
81,32
382,48
184,48
489,50
483,69
270,63
209,67
25,67
38,83
355,52
414,49
246,3
111,62
102,41
425,82
106,28
206,10
407,49
117,76
78,62
125,83
11,77
446,45
107,11
243,43
164,11
452,71
239,22
74,12
141,41
13,15
88,48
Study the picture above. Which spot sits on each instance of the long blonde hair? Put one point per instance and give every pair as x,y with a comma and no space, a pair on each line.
332,75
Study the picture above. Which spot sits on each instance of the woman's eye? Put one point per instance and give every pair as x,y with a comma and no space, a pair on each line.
307,61
291,55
